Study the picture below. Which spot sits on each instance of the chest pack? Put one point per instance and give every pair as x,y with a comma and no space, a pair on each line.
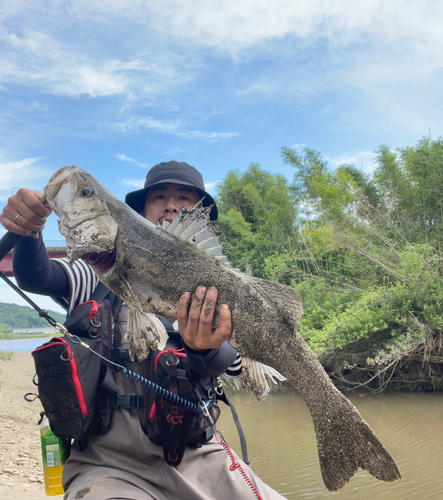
79,393
169,424
69,376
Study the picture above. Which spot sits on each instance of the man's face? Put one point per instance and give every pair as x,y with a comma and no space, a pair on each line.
165,200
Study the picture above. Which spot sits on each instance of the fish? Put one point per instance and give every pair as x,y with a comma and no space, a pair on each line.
149,266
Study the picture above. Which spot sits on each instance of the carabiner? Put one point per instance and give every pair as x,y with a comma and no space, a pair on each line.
95,322
219,388
66,359
169,363
203,405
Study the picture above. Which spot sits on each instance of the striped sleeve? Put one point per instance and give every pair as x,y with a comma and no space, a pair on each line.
82,280
234,371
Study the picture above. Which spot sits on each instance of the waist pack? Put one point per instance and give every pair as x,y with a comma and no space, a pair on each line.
169,424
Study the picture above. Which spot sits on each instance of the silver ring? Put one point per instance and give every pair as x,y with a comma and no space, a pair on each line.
16,217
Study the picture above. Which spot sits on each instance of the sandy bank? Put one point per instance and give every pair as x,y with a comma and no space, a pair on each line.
21,475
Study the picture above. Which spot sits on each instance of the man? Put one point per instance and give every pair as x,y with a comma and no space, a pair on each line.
124,463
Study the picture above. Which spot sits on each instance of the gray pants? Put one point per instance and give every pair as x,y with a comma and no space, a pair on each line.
124,464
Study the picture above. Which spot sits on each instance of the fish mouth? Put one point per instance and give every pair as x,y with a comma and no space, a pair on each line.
102,262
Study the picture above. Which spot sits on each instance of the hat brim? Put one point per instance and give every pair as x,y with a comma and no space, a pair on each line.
136,199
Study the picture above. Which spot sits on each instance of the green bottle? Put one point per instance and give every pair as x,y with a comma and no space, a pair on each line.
54,453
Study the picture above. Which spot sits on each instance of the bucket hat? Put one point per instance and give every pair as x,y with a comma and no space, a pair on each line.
178,173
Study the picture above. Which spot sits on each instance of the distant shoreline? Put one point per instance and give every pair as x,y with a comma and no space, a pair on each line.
18,336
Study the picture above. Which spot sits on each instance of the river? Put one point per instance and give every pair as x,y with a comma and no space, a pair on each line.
282,447
283,453
22,345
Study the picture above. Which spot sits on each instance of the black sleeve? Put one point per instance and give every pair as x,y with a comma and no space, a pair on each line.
212,363
35,272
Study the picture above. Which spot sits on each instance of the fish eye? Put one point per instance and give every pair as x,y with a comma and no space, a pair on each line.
87,192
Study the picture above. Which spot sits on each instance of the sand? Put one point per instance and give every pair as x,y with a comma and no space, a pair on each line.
21,474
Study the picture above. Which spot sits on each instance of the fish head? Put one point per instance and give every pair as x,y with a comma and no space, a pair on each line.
84,218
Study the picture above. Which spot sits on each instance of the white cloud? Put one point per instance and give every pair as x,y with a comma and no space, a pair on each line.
38,106
61,66
177,150
13,174
210,186
137,124
363,160
198,134
256,88
136,51
30,106
232,26
123,157
133,183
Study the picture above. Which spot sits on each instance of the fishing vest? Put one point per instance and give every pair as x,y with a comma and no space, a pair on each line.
79,392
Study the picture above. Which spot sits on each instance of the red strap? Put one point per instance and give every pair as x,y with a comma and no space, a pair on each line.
94,309
178,352
152,412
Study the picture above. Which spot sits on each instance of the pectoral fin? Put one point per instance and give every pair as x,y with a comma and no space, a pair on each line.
256,376
145,332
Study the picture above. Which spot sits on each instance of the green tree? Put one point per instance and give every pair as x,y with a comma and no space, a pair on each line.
257,216
373,294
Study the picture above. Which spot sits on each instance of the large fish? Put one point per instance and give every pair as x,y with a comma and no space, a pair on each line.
149,266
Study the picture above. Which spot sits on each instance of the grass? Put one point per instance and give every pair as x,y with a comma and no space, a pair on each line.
5,355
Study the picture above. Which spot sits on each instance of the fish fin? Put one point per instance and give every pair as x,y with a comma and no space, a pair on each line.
145,332
256,375
196,228
346,443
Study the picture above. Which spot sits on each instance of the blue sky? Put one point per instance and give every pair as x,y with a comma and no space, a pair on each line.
115,87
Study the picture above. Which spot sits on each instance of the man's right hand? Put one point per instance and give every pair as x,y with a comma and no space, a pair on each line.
24,213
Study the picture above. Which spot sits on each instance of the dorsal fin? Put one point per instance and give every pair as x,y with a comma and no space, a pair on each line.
196,228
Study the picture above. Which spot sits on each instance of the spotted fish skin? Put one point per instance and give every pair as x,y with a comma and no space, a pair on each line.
150,266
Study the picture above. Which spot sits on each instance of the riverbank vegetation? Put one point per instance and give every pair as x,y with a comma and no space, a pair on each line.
13,317
363,250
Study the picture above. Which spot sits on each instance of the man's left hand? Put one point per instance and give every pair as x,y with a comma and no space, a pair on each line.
196,327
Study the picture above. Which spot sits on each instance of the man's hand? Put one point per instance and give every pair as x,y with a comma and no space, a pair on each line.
196,327
24,213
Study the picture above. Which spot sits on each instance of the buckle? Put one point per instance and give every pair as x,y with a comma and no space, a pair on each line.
127,401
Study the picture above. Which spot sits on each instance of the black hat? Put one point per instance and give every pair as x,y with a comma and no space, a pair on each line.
178,173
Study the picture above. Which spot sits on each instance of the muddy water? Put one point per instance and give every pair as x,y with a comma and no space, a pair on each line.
282,448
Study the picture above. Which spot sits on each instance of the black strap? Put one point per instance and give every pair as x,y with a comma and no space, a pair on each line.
119,355
244,447
100,292
128,401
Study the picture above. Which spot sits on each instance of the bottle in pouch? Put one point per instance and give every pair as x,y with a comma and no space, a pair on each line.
54,452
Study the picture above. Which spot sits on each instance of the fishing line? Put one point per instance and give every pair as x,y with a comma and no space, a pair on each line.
138,379
7,242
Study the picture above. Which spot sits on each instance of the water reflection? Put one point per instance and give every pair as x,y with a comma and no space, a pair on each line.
282,447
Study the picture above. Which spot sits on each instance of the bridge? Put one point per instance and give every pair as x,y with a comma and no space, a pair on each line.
56,250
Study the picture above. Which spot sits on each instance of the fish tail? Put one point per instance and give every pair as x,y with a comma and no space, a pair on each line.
346,443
